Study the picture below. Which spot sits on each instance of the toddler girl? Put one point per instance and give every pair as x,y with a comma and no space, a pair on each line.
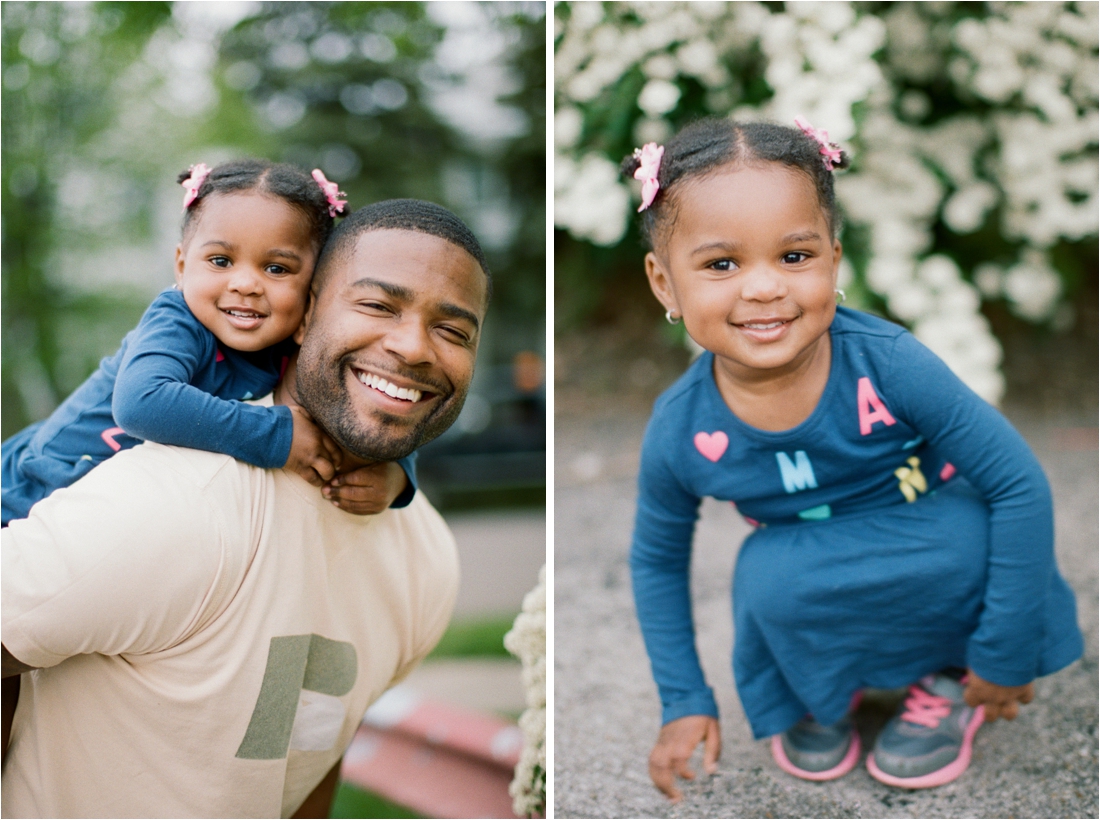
903,529
252,231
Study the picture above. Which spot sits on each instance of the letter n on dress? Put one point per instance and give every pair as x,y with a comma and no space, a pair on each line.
867,398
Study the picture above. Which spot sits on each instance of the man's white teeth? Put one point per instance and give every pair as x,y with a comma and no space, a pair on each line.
390,389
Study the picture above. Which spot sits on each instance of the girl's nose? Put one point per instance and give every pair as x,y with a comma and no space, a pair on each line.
408,339
245,281
763,284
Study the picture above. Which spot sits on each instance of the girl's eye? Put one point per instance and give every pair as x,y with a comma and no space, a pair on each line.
723,265
278,269
794,257
220,261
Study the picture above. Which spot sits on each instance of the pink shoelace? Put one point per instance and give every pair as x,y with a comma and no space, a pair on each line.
924,708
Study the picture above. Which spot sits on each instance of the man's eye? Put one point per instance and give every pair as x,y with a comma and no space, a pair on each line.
454,334
794,257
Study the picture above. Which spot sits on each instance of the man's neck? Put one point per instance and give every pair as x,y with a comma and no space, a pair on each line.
286,393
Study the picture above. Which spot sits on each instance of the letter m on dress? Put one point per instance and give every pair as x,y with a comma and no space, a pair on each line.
871,408
797,475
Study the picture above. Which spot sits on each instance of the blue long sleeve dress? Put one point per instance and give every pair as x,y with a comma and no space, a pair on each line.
903,527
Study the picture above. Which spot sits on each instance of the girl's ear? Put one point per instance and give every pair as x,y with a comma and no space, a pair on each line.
179,264
660,282
300,333
838,253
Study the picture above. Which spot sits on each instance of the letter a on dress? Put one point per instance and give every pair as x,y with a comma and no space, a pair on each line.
866,399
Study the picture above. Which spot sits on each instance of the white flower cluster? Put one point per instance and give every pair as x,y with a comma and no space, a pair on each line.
1031,161
527,641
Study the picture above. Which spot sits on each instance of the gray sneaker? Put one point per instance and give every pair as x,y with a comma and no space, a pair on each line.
815,752
927,743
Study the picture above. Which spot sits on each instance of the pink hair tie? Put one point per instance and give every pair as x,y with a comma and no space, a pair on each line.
830,151
199,173
649,156
332,194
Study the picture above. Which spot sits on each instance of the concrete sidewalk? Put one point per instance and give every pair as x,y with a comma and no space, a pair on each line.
606,709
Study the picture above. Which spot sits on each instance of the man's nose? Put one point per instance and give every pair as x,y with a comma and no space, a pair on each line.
409,340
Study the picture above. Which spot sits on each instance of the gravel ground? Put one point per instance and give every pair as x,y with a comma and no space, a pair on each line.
606,712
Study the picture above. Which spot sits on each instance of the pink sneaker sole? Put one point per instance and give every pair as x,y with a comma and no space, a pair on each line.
940,776
839,770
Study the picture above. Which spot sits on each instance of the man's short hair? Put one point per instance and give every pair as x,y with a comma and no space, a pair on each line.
399,214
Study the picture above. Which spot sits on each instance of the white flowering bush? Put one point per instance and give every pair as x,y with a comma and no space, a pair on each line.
527,641
973,129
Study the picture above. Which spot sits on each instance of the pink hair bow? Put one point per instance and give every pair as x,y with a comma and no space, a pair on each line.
830,151
649,155
332,193
199,173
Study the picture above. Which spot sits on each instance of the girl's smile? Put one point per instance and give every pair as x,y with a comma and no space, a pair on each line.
749,264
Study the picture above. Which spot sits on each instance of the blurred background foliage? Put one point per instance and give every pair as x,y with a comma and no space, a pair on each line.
104,103
970,209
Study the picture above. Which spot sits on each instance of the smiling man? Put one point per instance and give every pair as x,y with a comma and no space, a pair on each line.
200,637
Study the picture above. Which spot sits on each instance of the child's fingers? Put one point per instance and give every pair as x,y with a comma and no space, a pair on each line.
357,500
712,748
373,475
310,475
356,507
323,468
660,772
336,455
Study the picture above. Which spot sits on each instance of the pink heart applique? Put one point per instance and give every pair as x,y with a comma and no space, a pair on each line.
712,445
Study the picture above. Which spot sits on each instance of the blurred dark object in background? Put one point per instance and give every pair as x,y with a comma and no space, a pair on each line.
495,454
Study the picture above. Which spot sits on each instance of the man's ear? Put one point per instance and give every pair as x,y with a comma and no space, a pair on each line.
179,264
660,282
300,333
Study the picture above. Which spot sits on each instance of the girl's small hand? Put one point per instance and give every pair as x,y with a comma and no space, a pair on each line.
675,746
368,490
313,455
999,701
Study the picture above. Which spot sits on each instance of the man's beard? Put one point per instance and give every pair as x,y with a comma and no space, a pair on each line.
323,391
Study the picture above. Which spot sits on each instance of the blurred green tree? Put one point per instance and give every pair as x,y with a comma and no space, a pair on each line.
58,60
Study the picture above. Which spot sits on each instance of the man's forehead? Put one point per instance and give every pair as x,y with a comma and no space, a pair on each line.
415,263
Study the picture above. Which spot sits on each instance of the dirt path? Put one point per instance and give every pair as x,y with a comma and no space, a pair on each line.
606,709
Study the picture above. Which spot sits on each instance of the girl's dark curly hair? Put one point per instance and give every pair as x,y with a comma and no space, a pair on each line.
707,144
287,182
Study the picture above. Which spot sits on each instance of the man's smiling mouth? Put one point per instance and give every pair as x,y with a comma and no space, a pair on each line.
409,394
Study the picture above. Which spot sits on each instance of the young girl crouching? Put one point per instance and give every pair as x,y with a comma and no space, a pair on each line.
903,529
